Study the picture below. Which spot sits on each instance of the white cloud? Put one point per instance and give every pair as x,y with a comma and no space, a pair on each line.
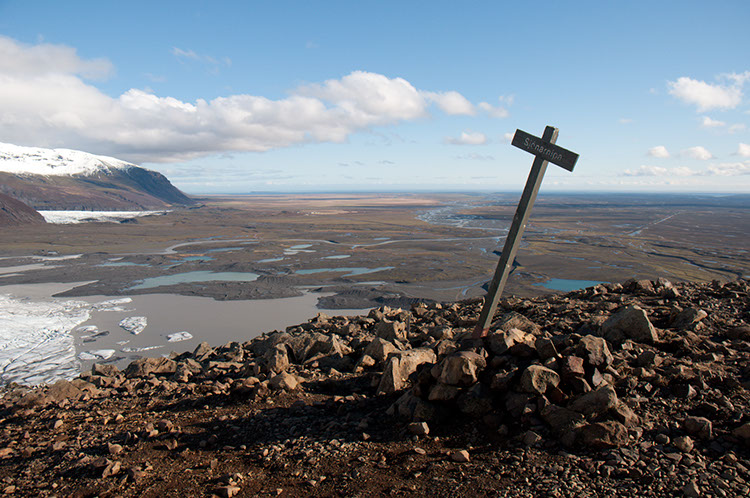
468,138
21,60
743,150
646,171
46,102
207,59
476,157
451,102
708,96
508,137
658,151
729,169
659,171
712,123
497,111
625,120
737,127
697,152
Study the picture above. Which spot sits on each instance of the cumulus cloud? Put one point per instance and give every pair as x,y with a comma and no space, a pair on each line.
743,150
712,123
45,97
658,151
468,138
697,152
708,96
34,61
508,137
730,169
494,111
451,102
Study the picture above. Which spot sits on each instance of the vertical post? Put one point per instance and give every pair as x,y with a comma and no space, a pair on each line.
513,239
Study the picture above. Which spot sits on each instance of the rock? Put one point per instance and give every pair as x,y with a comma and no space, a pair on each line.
143,367
515,320
516,340
461,456
691,490
62,390
536,379
683,443
530,438
114,449
227,491
379,349
104,370
475,401
629,322
602,435
561,419
743,432
419,428
624,414
390,331
443,392
741,333
594,351
203,351
687,318
698,426
596,402
572,366
459,369
277,359
112,469
545,348
400,366
284,381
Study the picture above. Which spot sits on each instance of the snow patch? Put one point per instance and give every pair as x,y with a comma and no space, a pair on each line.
73,217
134,324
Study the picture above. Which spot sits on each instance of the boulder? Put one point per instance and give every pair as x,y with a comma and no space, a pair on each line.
390,331
284,381
687,318
379,349
143,367
277,359
459,369
594,351
602,435
515,320
400,366
501,341
629,322
536,379
698,426
596,402
105,370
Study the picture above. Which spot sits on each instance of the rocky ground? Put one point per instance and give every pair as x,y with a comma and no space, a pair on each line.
639,389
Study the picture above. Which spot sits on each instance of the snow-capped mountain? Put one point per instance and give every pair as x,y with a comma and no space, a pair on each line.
64,179
55,162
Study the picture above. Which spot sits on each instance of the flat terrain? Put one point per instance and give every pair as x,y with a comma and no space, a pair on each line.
391,248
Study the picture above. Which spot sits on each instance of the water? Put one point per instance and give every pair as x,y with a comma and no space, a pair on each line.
195,276
350,272
340,256
270,260
564,285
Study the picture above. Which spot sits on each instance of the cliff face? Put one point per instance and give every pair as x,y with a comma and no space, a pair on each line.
638,389
15,213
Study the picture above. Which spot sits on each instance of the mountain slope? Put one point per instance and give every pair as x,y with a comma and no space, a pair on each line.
14,213
63,179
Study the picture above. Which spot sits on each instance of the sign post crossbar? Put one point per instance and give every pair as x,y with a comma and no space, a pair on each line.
545,151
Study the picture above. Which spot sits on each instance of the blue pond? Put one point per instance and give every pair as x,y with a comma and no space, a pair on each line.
195,276
561,284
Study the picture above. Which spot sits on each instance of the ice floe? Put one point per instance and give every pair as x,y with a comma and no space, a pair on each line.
134,324
179,336
98,354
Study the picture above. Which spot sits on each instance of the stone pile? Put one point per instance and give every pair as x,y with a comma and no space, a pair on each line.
648,377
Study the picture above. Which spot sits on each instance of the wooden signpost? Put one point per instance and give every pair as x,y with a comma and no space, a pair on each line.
545,151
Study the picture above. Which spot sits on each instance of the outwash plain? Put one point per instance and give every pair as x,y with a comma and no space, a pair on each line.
635,383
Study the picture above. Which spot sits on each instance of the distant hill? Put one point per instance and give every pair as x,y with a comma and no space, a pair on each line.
14,213
63,179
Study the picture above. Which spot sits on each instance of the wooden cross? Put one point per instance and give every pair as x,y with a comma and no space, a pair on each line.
545,151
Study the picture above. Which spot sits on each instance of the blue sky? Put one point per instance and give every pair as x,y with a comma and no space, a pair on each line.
288,96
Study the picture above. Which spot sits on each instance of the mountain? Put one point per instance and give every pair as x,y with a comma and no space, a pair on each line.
64,179
14,213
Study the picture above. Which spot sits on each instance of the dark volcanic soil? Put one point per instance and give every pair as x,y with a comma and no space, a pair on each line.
638,389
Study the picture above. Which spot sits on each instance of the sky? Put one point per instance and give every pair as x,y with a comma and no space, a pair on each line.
239,97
